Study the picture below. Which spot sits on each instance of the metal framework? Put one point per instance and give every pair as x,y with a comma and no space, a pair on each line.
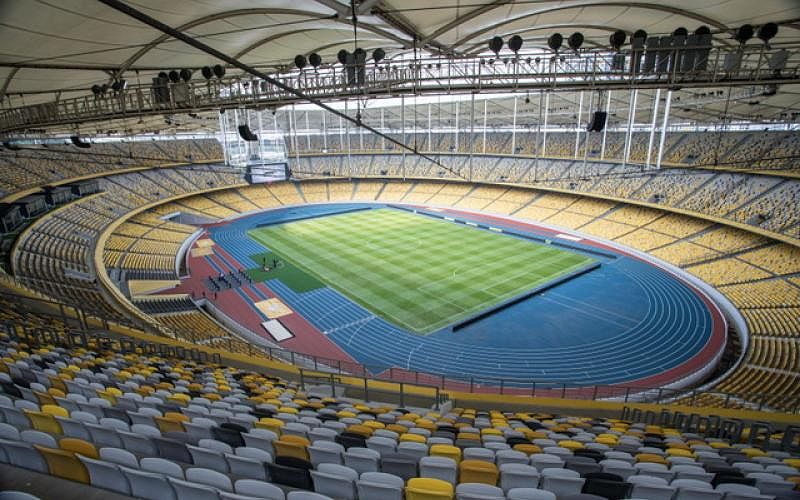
535,70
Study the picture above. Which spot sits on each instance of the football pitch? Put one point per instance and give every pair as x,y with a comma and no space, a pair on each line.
418,272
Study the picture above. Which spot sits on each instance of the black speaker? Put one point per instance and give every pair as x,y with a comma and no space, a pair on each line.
246,134
77,141
598,122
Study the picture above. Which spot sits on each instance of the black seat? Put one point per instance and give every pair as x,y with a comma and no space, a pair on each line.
606,485
593,454
351,439
291,471
400,465
229,433
514,440
11,389
582,465
731,478
172,449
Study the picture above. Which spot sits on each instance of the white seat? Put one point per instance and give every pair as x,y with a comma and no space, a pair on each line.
161,466
695,489
362,459
655,470
416,450
137,443
306,495
148,485
510,457
335,480
105,475
120,457
382,445
38,437
322,434
735,491
207,458
562,482
513,475
103,435
260,489
691,472
23,455
771,484
379,486
619,467
73,428
326,452
189,490
481,454
209,477
478,491
546,461
261,439
438,468
530,494
651,487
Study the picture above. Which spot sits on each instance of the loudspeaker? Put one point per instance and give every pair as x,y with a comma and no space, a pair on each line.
598,122
76,140
246,134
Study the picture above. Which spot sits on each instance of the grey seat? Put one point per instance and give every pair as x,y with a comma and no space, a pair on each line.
510,457
735,491
209,477
562,482
189,490
530,494
518,476
259,489
327,452
73,428
119,457
106,475
478,491
161,466
335,480
362,459
137,443
104,436
8,431
17,495
207,458
38,437
148,485
24,455
382,445
306,495
438,468
260,438
399,464
694,489
380,486
651,487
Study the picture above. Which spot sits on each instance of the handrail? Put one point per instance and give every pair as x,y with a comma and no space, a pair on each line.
531,70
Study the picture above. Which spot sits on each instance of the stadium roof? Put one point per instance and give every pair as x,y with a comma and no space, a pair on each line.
60,48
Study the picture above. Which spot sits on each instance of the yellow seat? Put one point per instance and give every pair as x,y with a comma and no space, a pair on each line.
64,464
792,462
469,435
289,410
679,452
79,446
478,471
374,424
570,444
45,398
753,452
491,432
651,458
288,446
679,446
55,411
271,424
445,450
361,429
528,449
609,441
424,488
718,445
167,424
414,438
43,422
400,429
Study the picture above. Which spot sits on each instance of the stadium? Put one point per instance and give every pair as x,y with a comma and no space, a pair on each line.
372,250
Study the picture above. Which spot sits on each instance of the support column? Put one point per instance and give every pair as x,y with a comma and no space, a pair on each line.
537,152
471,132
629,133
605,128
403,128
544,132
485,109
430,143
578,125
455,145
383,129
296,146
514,128
308,133
653,126
324,131
347,136
223,127
664,126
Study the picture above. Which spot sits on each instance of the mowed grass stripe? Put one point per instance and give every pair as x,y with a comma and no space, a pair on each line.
418,272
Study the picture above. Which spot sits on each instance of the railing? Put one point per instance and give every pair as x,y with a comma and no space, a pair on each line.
693,66
349,376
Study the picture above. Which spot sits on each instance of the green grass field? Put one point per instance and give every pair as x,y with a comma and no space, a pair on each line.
417,272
